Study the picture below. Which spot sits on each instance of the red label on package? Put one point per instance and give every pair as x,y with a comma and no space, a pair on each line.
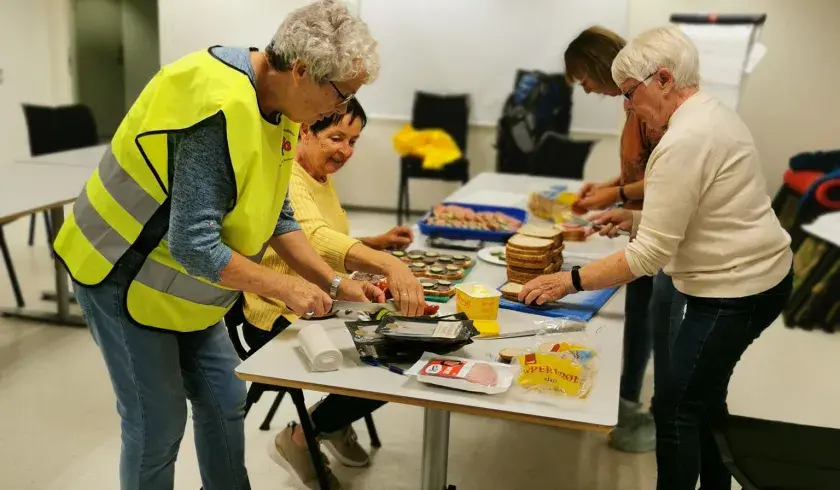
445,368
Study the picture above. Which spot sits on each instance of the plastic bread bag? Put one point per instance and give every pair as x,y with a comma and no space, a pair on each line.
463,374
560,362
442,330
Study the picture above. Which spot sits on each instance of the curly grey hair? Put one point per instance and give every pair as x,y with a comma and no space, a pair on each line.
333,44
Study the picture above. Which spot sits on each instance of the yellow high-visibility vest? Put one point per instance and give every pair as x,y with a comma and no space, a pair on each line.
132,184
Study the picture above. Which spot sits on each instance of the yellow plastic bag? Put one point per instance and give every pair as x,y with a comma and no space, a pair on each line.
558,371
434,146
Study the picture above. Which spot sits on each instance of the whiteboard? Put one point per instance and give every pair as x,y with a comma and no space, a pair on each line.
476,46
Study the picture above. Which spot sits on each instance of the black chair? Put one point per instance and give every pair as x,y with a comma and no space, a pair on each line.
557,155
768,455
432,111
54,129
234,319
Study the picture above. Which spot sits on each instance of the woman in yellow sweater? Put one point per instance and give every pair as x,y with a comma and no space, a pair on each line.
324,148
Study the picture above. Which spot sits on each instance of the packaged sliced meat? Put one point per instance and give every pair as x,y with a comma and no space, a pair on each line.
463,374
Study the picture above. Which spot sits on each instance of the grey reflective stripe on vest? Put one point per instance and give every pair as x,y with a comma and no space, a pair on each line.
125,190
98,232
167,280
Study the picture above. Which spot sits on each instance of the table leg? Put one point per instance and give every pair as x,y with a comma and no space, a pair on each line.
435,449
62,288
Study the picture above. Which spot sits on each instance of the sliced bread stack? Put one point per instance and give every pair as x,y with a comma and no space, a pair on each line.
533,252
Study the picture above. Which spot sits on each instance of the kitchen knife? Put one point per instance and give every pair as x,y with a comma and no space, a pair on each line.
568,328
577,220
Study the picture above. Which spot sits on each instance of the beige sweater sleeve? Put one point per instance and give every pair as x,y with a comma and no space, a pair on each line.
672,192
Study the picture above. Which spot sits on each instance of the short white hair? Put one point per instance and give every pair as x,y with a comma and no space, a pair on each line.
663,47
334,44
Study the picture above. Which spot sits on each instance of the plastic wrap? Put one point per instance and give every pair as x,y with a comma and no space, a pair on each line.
559,361
463,374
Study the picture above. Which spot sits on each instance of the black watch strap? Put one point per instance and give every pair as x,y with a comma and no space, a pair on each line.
621,194
576,278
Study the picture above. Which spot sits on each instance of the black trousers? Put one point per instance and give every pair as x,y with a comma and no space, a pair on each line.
336,411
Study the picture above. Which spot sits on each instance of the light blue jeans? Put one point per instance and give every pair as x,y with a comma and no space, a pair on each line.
154,373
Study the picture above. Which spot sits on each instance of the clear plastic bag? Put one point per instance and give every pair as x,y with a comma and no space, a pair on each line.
560,361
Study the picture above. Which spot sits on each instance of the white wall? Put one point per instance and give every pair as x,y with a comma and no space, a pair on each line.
33,58
141,48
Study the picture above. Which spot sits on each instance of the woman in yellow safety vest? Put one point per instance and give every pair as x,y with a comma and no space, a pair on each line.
173,224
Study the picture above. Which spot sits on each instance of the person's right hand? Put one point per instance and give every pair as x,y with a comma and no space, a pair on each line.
406,289
303,297
612,221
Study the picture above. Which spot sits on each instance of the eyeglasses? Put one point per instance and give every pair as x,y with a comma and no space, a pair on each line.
344,99
629,95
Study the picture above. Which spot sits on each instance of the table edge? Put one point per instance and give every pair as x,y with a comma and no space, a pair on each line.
11,217
451,407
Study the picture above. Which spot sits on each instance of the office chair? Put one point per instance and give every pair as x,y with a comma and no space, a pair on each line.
558,156
234,319
54,129
432,111
769,455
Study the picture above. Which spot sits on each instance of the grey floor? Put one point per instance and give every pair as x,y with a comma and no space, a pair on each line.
59,428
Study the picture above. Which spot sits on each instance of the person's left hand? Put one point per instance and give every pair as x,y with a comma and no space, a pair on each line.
600,198
397,238
545,289
350,290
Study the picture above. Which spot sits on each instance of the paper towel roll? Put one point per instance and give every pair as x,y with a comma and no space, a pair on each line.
319,349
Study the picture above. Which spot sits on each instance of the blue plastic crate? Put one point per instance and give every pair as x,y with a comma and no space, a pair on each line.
468,234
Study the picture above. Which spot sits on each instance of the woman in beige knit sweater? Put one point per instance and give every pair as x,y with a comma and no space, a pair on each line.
708,223
324,148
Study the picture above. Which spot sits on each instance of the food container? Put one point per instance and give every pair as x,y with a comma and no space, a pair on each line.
478,301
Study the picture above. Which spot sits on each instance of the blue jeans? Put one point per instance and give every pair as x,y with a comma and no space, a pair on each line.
693,362
154,373
638,338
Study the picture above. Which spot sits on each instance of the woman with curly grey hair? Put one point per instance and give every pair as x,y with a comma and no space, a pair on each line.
172,226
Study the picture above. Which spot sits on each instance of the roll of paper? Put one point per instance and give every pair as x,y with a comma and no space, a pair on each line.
319,349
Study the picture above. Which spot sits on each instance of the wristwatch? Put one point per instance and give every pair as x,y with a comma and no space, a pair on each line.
576,278
334,287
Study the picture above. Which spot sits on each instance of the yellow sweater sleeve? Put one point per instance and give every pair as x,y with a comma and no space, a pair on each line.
330,244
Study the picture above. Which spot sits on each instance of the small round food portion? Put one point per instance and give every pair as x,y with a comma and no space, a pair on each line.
444,283
415,256
509,353
398,253
418,264
452,268
429,260
445,259
432,254
427,284
460,258
436,270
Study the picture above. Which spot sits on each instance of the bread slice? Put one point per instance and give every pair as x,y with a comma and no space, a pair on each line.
544,232
526,242
572,233
523,276
514,258
510,291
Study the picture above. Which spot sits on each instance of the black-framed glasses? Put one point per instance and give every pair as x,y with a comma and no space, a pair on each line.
344,99
629,94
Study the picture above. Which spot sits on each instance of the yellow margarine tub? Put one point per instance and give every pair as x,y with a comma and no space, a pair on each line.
478,301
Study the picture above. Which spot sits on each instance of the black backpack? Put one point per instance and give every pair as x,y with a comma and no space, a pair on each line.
539,103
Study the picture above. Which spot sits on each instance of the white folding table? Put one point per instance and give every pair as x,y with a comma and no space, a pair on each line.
29,188
80,157
280,363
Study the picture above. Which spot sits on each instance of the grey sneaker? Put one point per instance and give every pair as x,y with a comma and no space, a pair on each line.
344,446
638,436
297,461
627,412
